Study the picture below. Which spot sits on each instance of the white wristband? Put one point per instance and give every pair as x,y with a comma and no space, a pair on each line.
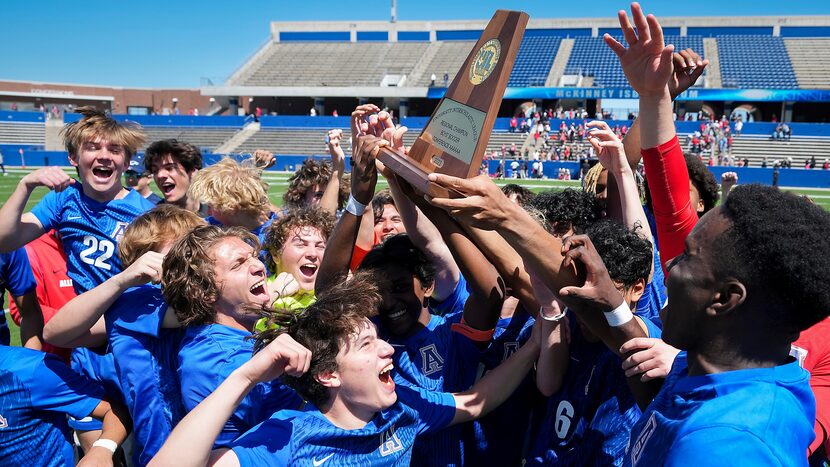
355,207
619,316
106,444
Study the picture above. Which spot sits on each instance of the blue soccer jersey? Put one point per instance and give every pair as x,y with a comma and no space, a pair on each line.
654,296
37,390
307,438
90,231
16,277
437,359
454,303
499,437
208,355
761,416
146,360
587,422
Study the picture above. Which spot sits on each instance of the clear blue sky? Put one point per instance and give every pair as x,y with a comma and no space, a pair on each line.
173,43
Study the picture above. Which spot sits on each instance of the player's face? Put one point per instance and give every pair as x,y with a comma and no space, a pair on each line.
389,223
172,179
314,195
301,255
403,300
240,277
364,368
691,283
100,164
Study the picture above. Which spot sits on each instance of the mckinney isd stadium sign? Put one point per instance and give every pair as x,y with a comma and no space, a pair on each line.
702,94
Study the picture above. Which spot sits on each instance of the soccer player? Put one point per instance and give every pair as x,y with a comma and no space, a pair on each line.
138,326
37,391
137,178
90,216
215,282
388,220
173,164
332,355
296,243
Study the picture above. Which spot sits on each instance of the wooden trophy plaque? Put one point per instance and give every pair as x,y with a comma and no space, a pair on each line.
455,138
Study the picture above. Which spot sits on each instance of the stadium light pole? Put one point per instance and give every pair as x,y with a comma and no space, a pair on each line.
394,11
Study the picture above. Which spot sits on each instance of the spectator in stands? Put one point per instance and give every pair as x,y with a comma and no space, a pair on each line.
432,79
739,126
173,164
826,164
446,79
2,165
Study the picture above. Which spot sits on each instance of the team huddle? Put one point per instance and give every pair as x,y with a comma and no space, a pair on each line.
633,322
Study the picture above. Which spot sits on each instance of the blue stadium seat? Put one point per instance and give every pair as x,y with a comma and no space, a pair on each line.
533,62
755,62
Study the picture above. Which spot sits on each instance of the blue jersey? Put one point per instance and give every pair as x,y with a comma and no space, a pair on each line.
146,360
437,359
307,438
588,421
499,437
654,296
208,355
761,416
89,230
454,303
37,390
16,277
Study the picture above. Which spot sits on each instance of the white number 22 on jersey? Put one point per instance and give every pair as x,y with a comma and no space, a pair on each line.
106,247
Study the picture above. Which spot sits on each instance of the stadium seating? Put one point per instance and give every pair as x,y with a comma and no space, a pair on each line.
533,62
591,56
331,64
445,57
809,58
755,62
22,133
204,138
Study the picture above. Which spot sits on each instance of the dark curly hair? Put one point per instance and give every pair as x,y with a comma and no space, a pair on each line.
778,247
626,254
399,249
323,328
311,173
702,178
187,154
187,279
280,229
381,199
567,209
523,195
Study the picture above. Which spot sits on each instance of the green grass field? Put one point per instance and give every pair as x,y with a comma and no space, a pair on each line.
278,182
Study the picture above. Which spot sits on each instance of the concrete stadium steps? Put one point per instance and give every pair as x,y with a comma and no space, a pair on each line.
332,64
809,58
206,138
290,141
448,58
557,69
22,133
800,148
712,74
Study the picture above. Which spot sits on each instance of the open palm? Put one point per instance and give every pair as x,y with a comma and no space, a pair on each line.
647,62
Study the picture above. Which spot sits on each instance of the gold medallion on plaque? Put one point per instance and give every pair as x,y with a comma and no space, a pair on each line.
485,61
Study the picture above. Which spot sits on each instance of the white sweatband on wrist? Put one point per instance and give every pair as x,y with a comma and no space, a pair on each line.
355,207
619,316
106,444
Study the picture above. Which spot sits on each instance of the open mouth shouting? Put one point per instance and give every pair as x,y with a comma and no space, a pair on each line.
259,289
308,270
102,174
385,376
167,188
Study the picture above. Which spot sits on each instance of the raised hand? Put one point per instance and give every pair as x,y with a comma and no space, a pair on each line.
688,67
264,159
608,146
53,178
364,171
483,206
284,285
283,355
647,62
598,291
338,158
360,122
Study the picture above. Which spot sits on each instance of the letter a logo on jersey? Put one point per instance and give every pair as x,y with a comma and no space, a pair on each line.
118,232
389,442
3,423
431,360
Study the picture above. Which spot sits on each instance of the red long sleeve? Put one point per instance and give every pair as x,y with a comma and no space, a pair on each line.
668,182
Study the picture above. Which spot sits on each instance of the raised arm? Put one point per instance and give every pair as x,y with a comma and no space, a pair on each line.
331,194
191,442
17,228
79,323
341,242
